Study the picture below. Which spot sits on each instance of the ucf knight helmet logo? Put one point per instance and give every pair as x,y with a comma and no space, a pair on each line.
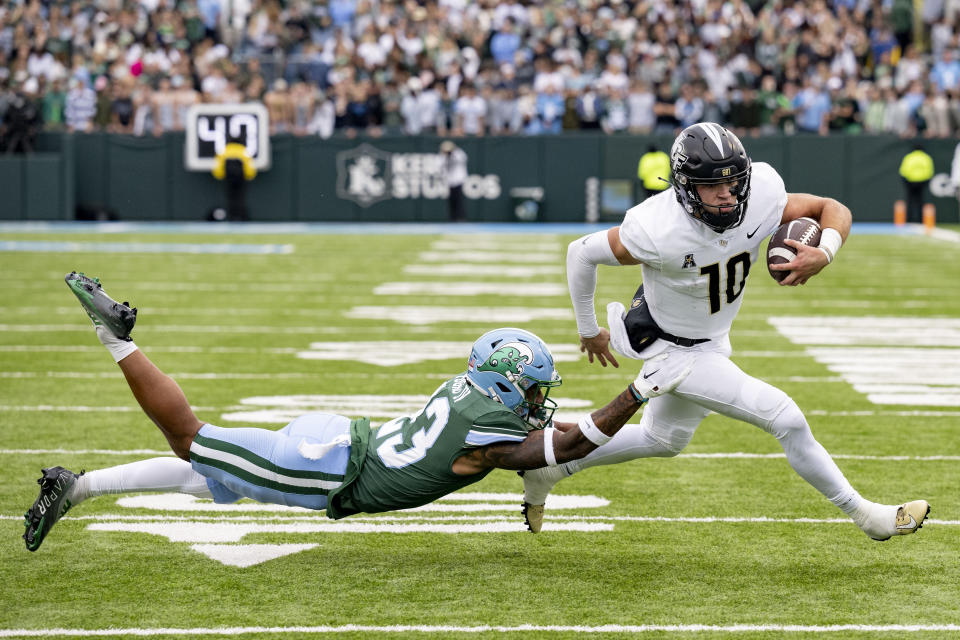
364,175
508,360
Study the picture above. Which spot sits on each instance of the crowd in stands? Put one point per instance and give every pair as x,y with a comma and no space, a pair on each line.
464,67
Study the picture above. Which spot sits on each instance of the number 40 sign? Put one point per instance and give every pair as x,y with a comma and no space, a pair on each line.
211,126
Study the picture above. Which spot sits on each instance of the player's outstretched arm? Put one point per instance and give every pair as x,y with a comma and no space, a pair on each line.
564,442
567,442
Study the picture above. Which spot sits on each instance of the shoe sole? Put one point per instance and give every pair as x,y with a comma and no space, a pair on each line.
118,318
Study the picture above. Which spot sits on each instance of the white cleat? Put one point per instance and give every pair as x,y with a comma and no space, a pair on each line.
902,520
537,484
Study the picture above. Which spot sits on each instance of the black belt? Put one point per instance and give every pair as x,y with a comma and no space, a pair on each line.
642,329
683,342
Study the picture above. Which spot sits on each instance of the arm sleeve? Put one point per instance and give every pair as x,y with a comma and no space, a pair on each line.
583,256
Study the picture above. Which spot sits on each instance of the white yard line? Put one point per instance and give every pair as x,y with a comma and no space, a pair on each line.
705,456
417,517
561,314
942,234
486,629
868,413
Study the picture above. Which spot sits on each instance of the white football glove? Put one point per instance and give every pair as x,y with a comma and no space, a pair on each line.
660,375
618,331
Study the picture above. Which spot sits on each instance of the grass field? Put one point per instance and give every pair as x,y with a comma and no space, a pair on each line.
722,541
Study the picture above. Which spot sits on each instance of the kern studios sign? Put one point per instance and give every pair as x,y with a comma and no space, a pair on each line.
367,175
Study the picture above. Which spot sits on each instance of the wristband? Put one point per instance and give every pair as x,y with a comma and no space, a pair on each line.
548,453
590,431
637,395
830,243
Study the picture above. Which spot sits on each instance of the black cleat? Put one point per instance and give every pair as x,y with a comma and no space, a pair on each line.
102,309
50,505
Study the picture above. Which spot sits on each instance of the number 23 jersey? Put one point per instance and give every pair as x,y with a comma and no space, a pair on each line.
407,462
693,277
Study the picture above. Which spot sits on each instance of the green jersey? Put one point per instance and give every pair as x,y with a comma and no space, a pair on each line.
407,461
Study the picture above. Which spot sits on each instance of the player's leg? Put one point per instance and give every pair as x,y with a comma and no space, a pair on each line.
298,465
62,489
666,427
719,385
162,400
159,396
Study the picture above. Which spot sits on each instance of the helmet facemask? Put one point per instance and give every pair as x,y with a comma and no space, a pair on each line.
536,407
694,205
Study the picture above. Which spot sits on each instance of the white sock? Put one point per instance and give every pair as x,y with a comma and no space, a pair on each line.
156,474
876,520
119,349
537,483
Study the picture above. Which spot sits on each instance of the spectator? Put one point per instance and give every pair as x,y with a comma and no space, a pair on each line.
324,118
121,107
21,120
590,108
899,121
163,105
813,108
505,43
665,110
845,114
701,52
616,116
469,112
279,107
875,116
504,115
550,109
785,116
934,114
640,104
53,104
945,74
688,108
81,106
745,112
901,19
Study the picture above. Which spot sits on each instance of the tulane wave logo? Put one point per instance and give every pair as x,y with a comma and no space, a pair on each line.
508,360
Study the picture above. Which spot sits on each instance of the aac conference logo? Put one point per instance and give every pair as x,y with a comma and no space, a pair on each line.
367,175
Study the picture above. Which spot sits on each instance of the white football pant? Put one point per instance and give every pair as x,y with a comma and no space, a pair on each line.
716,384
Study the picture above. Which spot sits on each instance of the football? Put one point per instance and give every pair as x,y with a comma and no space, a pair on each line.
803,230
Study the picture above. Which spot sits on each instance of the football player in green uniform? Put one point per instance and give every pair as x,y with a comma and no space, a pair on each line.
495,415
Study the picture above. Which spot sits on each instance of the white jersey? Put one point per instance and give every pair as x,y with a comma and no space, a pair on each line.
693,277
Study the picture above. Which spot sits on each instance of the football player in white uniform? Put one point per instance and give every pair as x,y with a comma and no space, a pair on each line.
695,245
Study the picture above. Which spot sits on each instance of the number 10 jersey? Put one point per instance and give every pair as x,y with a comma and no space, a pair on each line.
693,277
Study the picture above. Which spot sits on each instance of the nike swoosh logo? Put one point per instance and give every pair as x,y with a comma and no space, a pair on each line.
647,375
750,235
910,525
